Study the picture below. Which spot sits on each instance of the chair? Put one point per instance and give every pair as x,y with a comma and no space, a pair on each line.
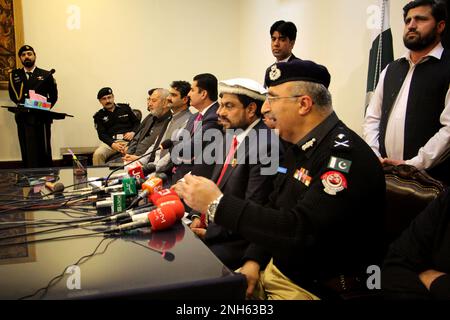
408,192
138,114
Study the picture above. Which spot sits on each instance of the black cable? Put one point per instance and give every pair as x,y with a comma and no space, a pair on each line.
74,236
52,230
45,203
55,280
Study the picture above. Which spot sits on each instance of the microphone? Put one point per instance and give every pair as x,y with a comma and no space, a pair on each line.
166,144
57,187
169,197
176,206
158,219
150,186
149,168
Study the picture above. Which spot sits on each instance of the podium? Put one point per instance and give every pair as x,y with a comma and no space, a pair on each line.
34,130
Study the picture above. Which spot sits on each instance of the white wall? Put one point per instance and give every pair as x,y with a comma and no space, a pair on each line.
333,33
131,46
135,45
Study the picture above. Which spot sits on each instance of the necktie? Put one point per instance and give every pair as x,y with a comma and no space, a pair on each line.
230,155
29,74
228,159
197,121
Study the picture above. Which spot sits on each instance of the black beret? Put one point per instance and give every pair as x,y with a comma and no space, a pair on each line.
25,48
104,92
297,70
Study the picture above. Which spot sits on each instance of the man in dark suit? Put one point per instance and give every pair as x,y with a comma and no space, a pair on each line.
189,153
34,130
239,171
283,35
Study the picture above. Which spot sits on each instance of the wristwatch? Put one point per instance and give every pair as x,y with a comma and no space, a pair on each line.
212,207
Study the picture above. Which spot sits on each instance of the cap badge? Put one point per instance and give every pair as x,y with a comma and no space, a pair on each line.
275,73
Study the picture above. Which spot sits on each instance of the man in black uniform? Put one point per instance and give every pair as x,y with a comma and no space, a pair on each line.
116,124
34,130
322,226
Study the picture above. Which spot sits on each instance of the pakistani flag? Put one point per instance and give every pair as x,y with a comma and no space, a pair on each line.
381,53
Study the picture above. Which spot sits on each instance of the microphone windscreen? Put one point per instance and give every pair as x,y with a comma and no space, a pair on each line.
162,218
176,205
162,176
149,168
156,197
166,144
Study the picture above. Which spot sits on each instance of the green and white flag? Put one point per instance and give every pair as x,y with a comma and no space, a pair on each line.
381,53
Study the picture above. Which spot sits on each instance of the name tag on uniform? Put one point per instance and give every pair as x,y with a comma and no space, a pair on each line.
119,136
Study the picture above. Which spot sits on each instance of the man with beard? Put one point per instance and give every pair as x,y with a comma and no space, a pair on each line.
408,119
247,149
178,103
116,124
34,130
151,130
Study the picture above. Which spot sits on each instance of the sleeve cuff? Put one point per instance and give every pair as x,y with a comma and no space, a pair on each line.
440,288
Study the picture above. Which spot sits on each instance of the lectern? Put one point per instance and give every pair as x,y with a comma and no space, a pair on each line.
34,128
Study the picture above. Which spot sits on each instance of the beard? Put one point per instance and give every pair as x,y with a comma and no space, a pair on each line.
420,42
28,63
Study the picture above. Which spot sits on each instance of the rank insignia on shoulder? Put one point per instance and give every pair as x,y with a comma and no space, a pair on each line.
309,144
302,175
334,182
339,164
234,163
342,142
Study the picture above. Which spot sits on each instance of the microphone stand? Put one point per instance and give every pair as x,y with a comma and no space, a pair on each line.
122,167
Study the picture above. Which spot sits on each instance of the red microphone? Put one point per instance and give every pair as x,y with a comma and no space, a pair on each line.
136,170
166,193
162,218
176,205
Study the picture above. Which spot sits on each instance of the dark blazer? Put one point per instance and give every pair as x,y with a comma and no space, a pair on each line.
196,143
245,181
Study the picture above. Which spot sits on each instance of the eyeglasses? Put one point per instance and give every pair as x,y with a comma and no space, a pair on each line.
271,99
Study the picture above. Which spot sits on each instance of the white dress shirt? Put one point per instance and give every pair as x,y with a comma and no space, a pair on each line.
433,151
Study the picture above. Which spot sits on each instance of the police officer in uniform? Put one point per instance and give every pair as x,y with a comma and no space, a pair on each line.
116,125
321,229
34,129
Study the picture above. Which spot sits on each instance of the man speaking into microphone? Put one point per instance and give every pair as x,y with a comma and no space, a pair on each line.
33,130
